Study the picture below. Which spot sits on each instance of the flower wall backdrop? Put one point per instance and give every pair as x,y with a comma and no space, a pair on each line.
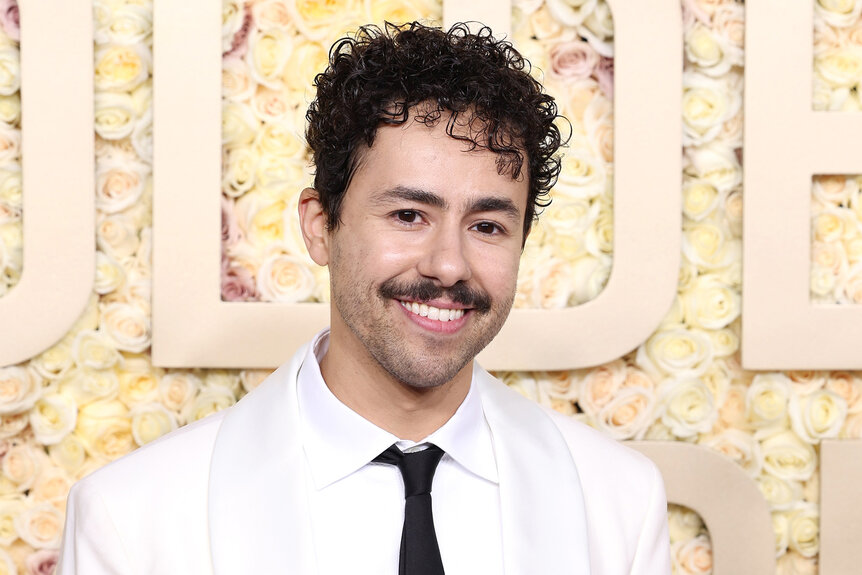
96,396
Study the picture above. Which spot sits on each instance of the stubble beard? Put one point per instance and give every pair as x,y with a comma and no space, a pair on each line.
424,366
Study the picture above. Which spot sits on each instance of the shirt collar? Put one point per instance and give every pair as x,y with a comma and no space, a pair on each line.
338,441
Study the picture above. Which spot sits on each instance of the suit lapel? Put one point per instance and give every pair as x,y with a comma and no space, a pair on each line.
542,503
258,511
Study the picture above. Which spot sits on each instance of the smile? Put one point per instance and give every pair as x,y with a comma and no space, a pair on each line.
431,312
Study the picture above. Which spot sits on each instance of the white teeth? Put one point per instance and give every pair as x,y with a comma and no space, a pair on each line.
432,312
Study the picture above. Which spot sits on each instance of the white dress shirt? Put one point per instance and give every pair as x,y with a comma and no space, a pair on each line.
357,507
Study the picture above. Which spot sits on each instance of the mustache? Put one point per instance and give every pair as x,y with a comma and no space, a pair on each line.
426,289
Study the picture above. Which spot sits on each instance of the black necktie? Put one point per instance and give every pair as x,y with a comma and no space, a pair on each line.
420,554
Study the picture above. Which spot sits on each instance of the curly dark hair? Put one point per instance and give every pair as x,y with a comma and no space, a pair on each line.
377,76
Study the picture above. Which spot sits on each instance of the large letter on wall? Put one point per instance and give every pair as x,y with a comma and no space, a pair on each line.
57,175
786,142
840,506
192,327
726,498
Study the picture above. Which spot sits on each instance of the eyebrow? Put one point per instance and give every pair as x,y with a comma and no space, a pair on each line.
502,205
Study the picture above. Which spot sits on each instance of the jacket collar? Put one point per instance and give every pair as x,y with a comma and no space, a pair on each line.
258,512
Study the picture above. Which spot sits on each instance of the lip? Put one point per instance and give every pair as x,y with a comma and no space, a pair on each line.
433,325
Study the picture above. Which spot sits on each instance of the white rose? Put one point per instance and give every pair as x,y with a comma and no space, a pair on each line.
271,14
692,557
110,275
683,523
699,199
116,235
732,205
125,24
267,55
583,176
681,353
9,509
686,407
781,527
788,457
224,378
10,144
10,109
10,186
95,349
732,411
793,563
571,12
233,15
725,342
151,421
589,276
239,125
119,184
766,402
739,446
600,234
521,382
70,454
10,70
712,53
20,387
239,172
40,526
139,381
12,424
706,104
237,85
804,534
86,385
209,401
114,115
53,417
21,466
716,164
807,381
838,13
781,494
710,303
818,415
598,29
176,389
834,190
270,106
127,325
706,245
284,278
849,387
848,286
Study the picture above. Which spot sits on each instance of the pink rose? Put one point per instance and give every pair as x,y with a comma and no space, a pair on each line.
573,60
10,19
239,46
42,562
604,74
237,283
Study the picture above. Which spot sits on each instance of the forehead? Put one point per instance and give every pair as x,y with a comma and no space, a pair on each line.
424,156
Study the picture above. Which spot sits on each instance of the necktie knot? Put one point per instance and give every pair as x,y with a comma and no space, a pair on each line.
417,467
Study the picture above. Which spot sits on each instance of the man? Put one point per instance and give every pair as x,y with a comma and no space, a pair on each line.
432,152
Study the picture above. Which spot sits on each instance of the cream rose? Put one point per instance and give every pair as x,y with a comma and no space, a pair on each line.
151,421
582,176
305,61
571,12
706,244
732,411
681,353
793,563
628,414
40,526
838,13
22,465
818,415
239,125
52,486
121,67
400,11
284,278
710,303
686,407
10,70
105,429
119,184
599,127
251,378
10,144
716,164
600,234
600,385
12,424
786,456
807,381
834,190
573,60
10,186
232,17
53,417
781,527
725,342
782,494
10,109
692,557
521,382
176,389
848,386
227,379
271,14
114,115
9,509
20,387
841,67
321,20
127,24
278,140
127,325
267,55
270,106
712,53
70,454
848,286
699,199
139,382
209,401
683,523
86,384
767,400
706,104
589,275
598,29
739,446
803,531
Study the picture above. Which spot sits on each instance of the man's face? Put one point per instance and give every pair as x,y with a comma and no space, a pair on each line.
424,263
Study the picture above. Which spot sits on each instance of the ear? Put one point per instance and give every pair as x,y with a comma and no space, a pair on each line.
312,221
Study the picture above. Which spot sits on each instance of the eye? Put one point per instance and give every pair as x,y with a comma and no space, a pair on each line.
488,228
407,216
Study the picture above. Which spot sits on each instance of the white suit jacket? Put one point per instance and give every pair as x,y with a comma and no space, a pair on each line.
226,496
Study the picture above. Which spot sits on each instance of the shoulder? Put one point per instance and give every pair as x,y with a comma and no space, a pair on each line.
178,458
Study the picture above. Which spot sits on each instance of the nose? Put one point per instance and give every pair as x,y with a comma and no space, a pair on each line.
445,259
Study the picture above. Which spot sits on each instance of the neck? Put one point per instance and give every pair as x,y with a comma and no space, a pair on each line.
408,412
